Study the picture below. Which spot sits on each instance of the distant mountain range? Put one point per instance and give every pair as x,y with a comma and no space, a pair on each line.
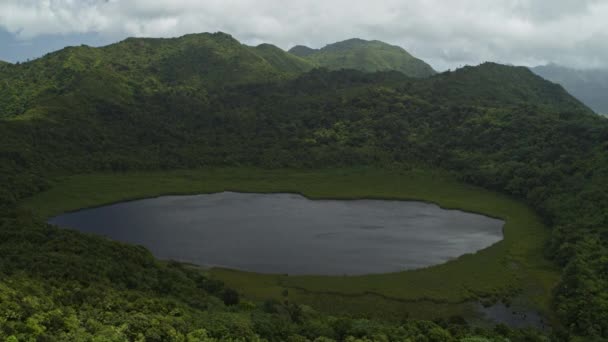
365,55
589,86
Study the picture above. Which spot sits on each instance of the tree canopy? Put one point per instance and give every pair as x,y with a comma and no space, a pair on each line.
206,100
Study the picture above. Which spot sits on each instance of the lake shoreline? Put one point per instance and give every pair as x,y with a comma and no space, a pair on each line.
480,275
403,235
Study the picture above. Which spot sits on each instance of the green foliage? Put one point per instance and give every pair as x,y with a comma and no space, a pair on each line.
206,100
281,61
189,64
484,275
302,51
4,66
491,83
369,56
58,285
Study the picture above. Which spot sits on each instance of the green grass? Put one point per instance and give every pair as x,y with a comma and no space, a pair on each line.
514,267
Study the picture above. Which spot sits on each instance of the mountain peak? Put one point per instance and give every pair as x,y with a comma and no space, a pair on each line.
302,51
490,84
269,47
365,55
358,43
348,43
219,37
281,60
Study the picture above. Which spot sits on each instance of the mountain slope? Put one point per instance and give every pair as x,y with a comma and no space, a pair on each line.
281,60
148,65
589,86
366,56
206,100
302,51
491,84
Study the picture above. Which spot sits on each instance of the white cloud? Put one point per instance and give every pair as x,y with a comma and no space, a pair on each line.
446,33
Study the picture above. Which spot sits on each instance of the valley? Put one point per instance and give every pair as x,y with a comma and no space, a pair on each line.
203,113
514,266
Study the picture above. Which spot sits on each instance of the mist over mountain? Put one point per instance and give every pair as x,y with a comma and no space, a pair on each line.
589,86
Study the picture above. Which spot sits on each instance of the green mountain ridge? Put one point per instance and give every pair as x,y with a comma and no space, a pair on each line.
197,61
302,51
281,61
205,101
369,56
509,85
589,86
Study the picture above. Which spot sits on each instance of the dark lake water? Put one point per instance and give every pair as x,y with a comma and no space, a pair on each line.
287,233
513,316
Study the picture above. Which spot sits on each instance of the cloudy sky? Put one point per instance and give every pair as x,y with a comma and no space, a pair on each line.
445,33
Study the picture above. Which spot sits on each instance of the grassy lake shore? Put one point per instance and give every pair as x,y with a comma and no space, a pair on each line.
513,269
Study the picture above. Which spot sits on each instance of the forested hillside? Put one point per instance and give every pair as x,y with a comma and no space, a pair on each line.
589,86
192,63
364,55
281,61
206,100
